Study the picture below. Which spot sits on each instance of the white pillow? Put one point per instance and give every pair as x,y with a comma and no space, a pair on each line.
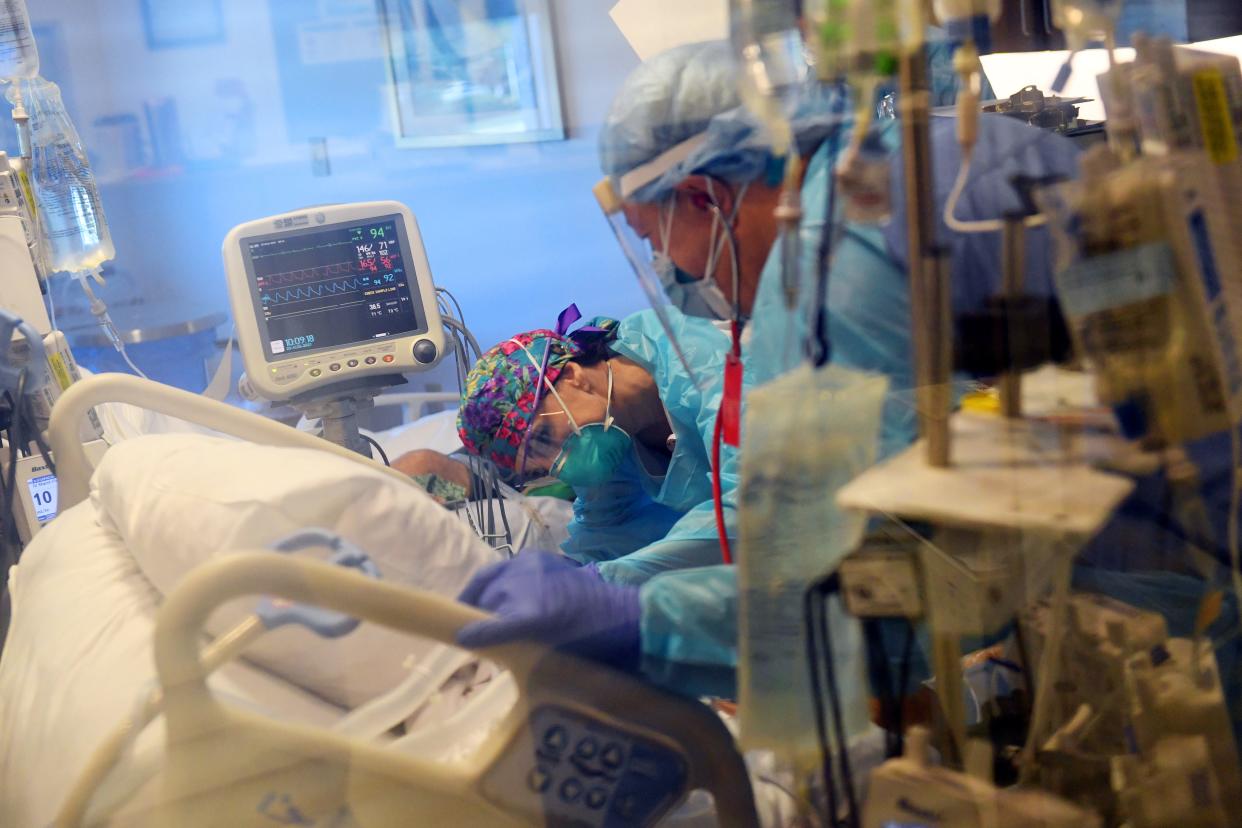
179,500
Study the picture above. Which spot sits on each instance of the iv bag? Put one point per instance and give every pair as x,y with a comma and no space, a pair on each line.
19,56
70,210
807,434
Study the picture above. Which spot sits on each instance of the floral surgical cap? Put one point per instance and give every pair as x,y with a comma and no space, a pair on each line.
502,390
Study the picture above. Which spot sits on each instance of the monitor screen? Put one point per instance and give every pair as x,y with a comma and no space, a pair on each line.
43,493
321,288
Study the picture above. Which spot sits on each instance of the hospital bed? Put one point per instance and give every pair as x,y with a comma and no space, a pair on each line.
85,613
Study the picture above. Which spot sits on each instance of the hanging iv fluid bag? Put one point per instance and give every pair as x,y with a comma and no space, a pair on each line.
806,435
19,56
70,210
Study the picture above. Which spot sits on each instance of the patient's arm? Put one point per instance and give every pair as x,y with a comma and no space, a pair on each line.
427,461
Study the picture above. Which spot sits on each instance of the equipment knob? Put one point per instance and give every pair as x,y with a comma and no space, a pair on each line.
425,351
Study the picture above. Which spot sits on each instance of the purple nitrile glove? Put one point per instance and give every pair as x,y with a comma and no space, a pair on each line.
552,599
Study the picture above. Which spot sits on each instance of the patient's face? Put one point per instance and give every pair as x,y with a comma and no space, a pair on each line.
586,401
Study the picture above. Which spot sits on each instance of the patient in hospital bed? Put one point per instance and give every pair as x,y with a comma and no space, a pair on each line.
86,593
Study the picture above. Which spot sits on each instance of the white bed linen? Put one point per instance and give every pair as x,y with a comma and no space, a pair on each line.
179,500
78,656
435,431
535,523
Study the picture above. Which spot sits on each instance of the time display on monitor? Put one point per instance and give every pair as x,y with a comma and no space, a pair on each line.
330,287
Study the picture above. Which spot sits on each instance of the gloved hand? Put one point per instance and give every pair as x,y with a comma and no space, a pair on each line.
550,598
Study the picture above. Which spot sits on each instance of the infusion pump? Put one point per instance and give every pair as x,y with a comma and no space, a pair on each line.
330,295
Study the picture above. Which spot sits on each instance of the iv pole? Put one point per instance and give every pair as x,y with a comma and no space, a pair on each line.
931,323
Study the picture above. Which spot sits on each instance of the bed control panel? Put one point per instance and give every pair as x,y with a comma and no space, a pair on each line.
570,769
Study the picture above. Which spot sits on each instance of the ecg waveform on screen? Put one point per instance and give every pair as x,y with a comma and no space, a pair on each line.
310,274
326,288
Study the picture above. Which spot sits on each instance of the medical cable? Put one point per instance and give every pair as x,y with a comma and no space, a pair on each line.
442,292
726,550
10,485
31,424
483,519
789,219
732,362
817,700
820,344
825,588
16,428
378,448
819,648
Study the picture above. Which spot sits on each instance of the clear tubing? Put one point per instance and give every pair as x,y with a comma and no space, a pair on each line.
100,311
789,218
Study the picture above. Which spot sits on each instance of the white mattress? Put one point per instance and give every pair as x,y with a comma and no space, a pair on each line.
78,656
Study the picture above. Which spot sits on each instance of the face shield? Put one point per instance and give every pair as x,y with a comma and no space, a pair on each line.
642,260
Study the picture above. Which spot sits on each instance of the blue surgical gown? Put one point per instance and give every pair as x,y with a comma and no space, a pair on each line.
639,525
689,621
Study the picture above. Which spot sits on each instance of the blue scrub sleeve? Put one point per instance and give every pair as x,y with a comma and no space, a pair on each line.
689,631
616,519
693,541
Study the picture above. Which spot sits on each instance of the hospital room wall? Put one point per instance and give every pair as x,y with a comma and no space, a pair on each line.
512,229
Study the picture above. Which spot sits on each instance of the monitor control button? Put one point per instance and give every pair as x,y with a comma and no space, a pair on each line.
314,372
370,360
389,357
353,363
425,351
336,366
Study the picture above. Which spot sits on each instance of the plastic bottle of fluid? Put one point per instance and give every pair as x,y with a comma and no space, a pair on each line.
70,210
19,56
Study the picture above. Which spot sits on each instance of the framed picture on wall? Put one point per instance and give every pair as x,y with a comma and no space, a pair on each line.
170,24
471,72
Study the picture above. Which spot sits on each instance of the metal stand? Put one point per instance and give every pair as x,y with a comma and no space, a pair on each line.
929,277
337,408
1013,252
340,420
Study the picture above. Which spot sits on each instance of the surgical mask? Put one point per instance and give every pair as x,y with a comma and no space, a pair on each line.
695,295
691,295
593,453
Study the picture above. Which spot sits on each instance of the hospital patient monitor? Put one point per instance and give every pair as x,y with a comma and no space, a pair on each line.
332,297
